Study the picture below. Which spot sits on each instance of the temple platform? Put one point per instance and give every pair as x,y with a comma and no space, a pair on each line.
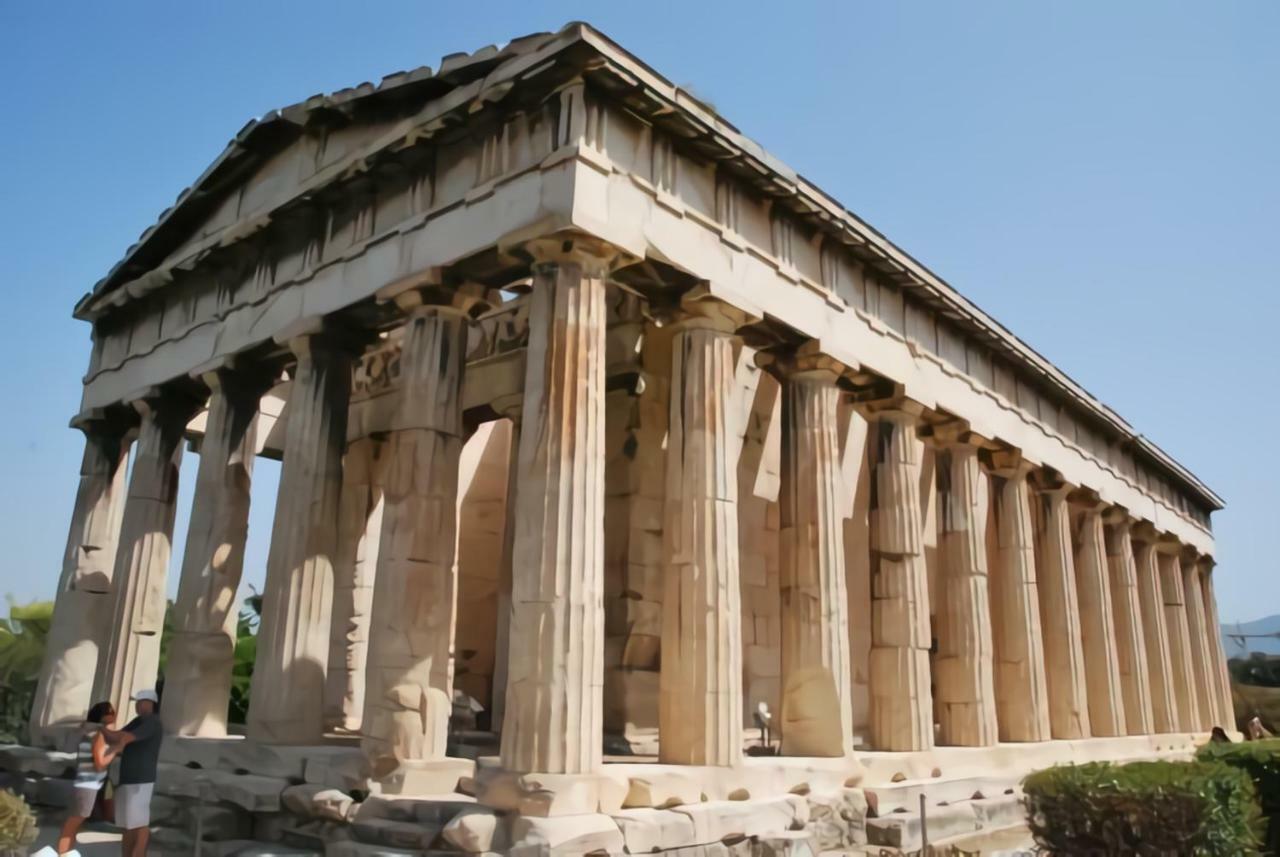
242,797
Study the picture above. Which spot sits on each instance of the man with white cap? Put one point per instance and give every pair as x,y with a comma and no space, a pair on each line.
139,743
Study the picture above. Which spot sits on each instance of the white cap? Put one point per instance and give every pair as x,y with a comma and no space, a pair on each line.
147,695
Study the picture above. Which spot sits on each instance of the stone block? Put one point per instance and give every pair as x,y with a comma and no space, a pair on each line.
248,791
396,834
902,829
837,820
791,843
428,777
33,760
423,809
1001,811
311,800
661,790
564,835
51,791
367,849
477,829
645,829
716,821
218,822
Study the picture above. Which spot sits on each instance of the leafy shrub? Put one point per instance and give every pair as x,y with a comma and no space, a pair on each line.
1204,809
1260,760
17,822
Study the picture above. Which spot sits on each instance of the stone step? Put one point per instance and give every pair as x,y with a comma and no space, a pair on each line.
367,849
905,795
396,834
903,829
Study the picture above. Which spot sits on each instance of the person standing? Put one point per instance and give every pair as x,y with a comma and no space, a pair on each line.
139,747
93,756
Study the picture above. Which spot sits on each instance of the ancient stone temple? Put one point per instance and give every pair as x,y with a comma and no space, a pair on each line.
602,430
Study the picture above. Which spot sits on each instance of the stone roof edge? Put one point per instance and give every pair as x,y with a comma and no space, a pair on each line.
455,66
929,281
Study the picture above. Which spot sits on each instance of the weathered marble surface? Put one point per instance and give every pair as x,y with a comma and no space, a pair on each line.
287,691
130,656
555,668
964,669
84,587
198,675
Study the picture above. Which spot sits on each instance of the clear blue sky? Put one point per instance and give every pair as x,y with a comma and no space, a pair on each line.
1102,177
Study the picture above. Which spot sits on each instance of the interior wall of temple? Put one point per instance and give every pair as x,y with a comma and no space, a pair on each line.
482,516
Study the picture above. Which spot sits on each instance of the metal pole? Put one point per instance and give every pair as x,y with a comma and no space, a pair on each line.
924,829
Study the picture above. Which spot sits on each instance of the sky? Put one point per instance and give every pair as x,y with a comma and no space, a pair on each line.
1103,178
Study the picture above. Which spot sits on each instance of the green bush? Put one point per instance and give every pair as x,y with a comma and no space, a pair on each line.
17,822
1204,809
1260,760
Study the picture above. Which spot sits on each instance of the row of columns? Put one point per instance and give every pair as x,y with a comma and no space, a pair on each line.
1050,623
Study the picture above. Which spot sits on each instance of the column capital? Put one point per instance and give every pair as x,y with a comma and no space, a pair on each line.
952,433
896,408
1168,544
1117,517
309,336
1007,463
804,362
1087,501
1144,533
166,404
116,421
597,257
1049,482
699,309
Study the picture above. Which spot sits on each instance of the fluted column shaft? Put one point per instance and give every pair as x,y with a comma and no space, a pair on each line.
130,658
1098,627
1022,701
964,667
359,536
1221,679
287,691
1202,665
1181,672
410,669
84,587
1131,647
700,684
202,653
1060,618
555,669
817,703
1164,708
901,698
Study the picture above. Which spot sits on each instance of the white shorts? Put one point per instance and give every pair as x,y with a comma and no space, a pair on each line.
85,796
133,805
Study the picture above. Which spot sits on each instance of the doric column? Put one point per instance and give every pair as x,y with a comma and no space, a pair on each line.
1060,614
700,683
408,694
817,697
1022,701
1181,674
1131,649
359,535
555,668
964,667
1164,708
1097,621
901,698
130,658
1221,679
1202,666
287,691
202,653
80,613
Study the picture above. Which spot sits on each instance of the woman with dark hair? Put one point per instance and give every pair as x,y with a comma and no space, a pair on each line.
93,756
